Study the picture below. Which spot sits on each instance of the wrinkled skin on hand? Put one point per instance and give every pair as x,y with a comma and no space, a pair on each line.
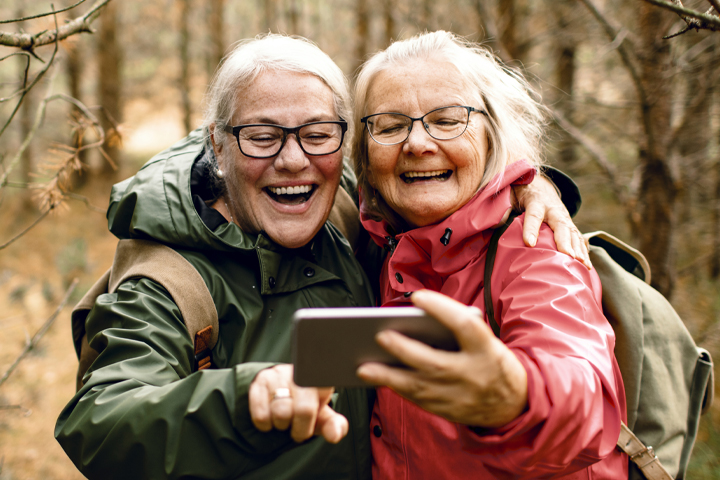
483,384
541,203
306,411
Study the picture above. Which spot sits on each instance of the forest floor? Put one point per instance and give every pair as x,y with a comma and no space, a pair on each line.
35,273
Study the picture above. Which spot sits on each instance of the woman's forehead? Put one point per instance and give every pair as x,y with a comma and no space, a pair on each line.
419,84
284,96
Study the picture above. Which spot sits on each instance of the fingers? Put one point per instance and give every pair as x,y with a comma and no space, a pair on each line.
534,216
275,402
331,425
470,331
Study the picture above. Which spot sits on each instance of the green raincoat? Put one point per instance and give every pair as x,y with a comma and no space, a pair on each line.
142,413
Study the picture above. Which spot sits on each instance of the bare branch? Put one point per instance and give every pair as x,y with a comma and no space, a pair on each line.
20,91
704,21
600,159
28,42
32,84
26,142
15,20
27,229
36,338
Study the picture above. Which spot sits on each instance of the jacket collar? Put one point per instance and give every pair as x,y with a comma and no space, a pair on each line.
424,257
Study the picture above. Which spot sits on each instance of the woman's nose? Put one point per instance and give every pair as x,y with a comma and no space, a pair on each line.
291,157
419,142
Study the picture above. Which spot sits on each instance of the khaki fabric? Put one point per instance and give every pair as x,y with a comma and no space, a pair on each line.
152,260
667,377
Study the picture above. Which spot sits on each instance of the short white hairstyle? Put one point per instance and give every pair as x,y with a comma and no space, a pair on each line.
271,52
516,118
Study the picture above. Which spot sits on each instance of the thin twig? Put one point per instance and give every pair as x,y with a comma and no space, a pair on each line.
36,338
86,201
25,75
710,20
78,25
595,152
34,82
15,20
26,411
28,138
27,229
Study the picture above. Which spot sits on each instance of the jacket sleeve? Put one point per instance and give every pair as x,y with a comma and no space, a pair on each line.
142,414
550,313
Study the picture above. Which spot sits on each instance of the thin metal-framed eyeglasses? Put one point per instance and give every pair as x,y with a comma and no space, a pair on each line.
264,140
444,123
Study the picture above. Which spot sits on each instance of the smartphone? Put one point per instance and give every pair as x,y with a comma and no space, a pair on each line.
329,344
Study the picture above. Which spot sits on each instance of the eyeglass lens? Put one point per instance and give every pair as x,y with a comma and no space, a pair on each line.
442,124
267,140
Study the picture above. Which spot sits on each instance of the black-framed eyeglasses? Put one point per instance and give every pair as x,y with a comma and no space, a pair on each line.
262,140
444,123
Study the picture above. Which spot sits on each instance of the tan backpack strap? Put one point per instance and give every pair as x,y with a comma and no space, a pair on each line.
346,217
644,457
82,310
162,264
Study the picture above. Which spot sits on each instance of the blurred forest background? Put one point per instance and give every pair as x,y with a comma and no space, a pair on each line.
89,93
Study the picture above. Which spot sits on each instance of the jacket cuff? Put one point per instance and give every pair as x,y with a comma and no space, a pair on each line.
538,410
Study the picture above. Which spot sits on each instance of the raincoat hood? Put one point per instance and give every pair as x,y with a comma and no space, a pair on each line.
157,204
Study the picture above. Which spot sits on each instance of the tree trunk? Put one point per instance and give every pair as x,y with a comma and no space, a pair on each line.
715,258
216,29
74,69
270,15
565,75
184,6
507,23
294,13
658,192
388,8
26,162
362,28
694,134
110,85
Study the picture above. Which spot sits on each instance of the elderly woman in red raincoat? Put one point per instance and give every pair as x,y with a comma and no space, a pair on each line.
442,134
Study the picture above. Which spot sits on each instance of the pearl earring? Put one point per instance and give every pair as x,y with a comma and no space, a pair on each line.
220,173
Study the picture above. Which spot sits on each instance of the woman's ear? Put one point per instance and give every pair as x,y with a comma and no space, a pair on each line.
217,146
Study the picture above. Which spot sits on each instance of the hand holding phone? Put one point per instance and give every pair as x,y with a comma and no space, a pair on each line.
329,344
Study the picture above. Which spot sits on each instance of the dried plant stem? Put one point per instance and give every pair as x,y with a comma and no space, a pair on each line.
39,117
36,338
27,229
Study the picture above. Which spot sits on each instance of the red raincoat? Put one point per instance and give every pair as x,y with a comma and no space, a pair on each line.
548,307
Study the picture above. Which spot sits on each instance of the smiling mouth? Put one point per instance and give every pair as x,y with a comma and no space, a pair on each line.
291,195
441,175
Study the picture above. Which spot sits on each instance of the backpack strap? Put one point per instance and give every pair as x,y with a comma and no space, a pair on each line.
644,457
628,257
162,264
489,264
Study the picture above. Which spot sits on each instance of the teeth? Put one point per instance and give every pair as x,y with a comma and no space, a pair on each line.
434,173
290,190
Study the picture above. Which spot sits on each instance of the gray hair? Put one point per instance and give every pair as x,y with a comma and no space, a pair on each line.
516,119
251,57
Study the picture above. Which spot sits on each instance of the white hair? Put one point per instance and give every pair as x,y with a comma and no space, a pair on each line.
516,118
251,57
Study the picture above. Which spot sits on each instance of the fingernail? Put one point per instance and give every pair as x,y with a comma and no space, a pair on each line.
533,240
382,338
